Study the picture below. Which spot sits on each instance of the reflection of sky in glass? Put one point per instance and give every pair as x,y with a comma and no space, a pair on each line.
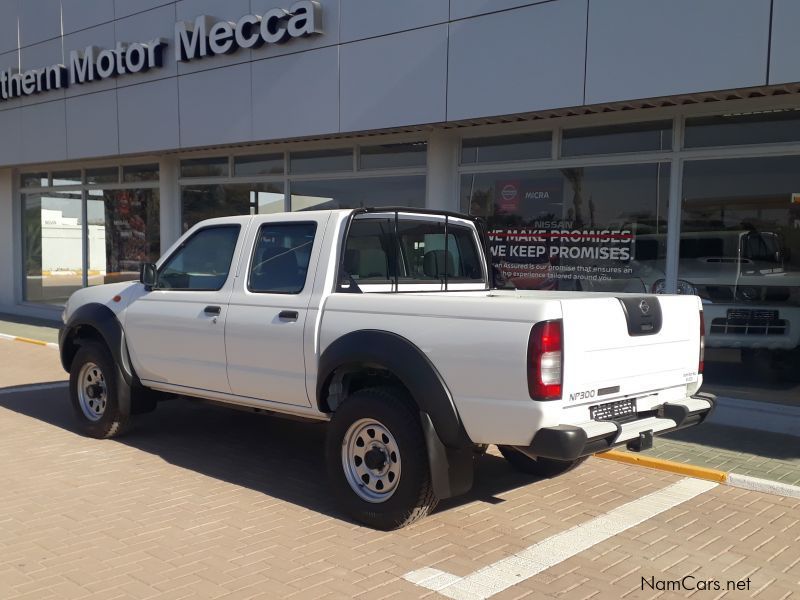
68,204
66,181
95,209
267,202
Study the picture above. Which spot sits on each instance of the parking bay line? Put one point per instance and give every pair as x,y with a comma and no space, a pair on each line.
503,574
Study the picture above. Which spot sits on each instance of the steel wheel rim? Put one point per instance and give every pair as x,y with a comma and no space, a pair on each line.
92,391
371,460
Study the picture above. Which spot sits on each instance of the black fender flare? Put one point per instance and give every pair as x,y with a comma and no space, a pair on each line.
450,450
105,322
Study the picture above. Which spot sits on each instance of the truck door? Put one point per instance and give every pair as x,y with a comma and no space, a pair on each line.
268,309
176,332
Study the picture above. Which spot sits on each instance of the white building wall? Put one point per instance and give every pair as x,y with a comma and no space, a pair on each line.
62,245
377,64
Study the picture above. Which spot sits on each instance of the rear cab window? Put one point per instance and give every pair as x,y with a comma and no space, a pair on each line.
411,254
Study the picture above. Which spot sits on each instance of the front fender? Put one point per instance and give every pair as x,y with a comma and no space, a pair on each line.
101,319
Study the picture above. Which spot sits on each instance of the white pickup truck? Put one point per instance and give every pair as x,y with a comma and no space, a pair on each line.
386,323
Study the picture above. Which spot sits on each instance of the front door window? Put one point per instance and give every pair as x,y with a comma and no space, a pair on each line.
203,262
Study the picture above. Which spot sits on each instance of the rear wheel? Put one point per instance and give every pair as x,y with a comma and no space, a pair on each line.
541,467
377,461
100,397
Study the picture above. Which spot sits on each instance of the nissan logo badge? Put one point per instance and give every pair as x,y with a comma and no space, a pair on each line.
644,307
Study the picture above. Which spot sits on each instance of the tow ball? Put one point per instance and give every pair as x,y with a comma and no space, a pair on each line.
643,442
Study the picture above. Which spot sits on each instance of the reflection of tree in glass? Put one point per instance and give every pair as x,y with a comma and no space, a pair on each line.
575,178
33,240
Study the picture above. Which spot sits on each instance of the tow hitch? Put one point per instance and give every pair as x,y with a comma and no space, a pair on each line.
643,442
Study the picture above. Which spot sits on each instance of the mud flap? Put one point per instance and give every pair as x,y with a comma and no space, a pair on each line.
452,469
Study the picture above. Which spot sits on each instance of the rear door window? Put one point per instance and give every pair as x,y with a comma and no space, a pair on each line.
281,257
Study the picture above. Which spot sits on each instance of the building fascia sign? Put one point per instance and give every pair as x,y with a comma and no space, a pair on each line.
204,37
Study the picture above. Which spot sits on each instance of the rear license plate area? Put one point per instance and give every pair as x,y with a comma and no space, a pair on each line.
622,410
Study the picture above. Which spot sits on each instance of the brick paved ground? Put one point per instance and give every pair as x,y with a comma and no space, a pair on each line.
22,363
204,502
743,451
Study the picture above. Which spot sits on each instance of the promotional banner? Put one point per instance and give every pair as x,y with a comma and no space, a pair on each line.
538,241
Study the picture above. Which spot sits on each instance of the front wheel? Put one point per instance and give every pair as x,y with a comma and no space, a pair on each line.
377,460
100,397
541,467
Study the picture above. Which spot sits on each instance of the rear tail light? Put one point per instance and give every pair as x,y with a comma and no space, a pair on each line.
702,361
545,360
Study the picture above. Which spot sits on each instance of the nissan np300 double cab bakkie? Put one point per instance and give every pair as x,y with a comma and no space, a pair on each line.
385,323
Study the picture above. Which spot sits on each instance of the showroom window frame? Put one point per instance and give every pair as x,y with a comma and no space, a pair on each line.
287,177
82,187
676,157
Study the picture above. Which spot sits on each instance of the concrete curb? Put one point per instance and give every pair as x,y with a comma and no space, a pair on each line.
744,482
16,338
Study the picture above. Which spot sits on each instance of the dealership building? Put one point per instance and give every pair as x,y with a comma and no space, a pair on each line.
643,146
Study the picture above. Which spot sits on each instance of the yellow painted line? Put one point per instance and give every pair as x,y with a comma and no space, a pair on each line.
15,338
30,341
665,465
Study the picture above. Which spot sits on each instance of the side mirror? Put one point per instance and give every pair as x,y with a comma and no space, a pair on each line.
148,275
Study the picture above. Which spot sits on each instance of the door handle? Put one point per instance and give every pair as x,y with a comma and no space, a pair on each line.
288,315
213,310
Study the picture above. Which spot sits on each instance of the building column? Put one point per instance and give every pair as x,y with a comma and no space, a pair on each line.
169,201
442,186
8,237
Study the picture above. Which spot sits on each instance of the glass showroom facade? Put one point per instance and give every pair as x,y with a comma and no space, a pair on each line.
85,227
701,204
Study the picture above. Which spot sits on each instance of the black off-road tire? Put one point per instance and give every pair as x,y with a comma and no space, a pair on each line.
413,498
541,467
116,416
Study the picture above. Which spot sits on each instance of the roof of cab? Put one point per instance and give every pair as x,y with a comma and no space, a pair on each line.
311,214
243,219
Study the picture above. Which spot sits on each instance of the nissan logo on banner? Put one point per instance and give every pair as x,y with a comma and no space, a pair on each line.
508,198
203,37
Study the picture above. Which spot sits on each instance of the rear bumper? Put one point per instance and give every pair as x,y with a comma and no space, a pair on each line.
570,442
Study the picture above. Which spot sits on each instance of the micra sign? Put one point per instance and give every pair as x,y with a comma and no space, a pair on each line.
204,37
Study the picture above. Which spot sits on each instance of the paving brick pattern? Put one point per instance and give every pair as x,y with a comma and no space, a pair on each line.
22,363
204,502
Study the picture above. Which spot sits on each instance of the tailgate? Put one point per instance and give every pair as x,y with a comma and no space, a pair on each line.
614,347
